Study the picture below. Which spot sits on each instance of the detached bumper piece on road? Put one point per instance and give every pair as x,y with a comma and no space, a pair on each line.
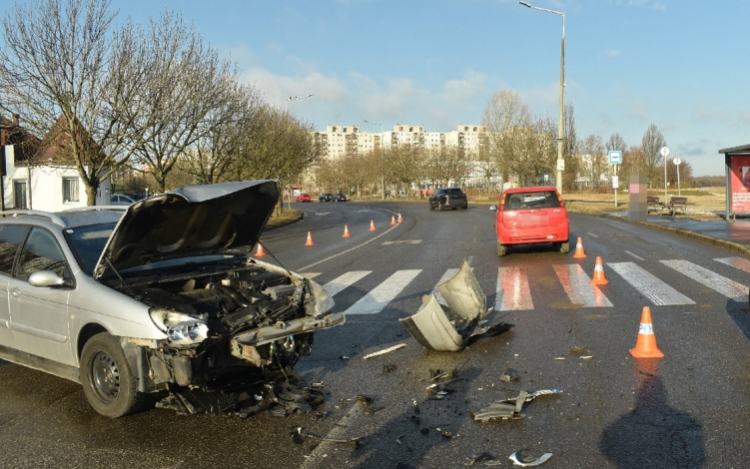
453,326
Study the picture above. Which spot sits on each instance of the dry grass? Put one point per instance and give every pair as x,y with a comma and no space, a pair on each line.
288,215
702,204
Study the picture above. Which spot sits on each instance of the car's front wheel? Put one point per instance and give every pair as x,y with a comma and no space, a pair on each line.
502,249
108,382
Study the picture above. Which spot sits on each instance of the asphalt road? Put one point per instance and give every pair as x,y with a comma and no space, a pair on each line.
689,409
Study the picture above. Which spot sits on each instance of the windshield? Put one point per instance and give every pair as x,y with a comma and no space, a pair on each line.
87,243
530,200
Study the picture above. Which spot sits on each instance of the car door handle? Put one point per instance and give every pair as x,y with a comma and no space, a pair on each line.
15,292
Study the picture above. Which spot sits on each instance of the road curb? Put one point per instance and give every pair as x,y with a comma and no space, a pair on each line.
688,234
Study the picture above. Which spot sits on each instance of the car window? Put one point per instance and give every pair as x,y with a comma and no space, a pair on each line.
531,200
11,237
87,243
41,252
454,192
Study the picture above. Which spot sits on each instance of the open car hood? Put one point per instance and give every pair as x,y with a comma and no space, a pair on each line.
190,221
449,327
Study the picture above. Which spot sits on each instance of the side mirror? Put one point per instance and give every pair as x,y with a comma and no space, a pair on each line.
46,278
493,208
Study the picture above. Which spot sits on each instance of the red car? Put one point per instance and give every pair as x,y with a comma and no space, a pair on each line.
532,215
303,198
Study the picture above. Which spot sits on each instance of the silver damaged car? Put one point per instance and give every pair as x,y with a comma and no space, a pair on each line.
161,295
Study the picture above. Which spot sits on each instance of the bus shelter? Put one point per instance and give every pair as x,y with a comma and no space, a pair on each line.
737,170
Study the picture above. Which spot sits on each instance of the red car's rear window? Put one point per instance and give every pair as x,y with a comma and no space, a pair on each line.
531,200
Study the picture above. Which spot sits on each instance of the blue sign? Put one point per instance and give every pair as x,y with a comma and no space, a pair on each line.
615,157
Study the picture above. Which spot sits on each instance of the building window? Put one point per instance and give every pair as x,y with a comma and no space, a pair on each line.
70,190
19,194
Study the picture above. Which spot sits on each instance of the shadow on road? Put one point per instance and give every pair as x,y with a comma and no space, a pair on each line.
738,312
654,434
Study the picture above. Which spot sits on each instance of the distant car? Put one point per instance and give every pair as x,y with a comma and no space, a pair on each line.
531,215
303,198
120,199
448,197
325,197
339,197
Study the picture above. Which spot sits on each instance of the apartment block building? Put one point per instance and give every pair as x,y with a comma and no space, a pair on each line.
339,141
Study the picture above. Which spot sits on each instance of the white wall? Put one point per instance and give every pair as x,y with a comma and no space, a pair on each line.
47,188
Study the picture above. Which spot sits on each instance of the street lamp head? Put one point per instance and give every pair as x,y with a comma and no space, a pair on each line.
526,4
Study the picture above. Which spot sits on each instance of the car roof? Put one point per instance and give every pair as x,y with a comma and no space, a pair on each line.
73,218
516,190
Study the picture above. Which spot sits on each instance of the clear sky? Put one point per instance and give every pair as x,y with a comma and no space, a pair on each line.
679,64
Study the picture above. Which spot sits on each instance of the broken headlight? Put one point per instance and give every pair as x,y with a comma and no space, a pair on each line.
182,330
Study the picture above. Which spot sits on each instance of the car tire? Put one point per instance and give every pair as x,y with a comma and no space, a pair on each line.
465,207
108,382
502,249
432,207
565,247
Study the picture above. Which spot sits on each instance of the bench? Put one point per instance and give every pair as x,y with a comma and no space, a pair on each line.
653,203
678,203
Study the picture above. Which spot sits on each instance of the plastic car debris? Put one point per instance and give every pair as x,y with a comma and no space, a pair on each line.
298,433
389,367
510,409
509,375
517,462
578,350
486,459
451,327
384,351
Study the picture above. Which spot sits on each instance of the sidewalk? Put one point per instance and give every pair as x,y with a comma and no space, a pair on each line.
733,235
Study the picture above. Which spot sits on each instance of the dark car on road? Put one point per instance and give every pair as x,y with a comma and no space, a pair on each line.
325,197
448,197
531,215
339,197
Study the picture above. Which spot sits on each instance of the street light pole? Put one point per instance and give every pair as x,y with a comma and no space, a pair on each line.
560,133
295,98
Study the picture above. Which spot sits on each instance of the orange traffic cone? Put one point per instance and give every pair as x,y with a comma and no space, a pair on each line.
580,254
399,218
260,252
645,346
393,220
346,232
599,278
309,241
372,225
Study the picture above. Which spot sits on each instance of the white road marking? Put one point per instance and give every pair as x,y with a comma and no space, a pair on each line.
576,284
310,275
736,262
637,257
712,280
512,292
592,234
322,214
348,250
654,289
377,299
403,241
344,281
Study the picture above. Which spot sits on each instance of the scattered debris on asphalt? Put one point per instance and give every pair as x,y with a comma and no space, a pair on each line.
518,462
299,437
280,399
509,375
384,351
389,367
587,357
509,409
578,350
437,376
486,459
451,327
560,359
445,433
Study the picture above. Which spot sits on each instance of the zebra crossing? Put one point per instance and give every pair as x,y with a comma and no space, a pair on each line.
513,292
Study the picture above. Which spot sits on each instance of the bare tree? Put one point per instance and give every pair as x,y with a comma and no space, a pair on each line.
504,117
652,142
74,80
186,81
592,150
616,143
212,157
570,147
